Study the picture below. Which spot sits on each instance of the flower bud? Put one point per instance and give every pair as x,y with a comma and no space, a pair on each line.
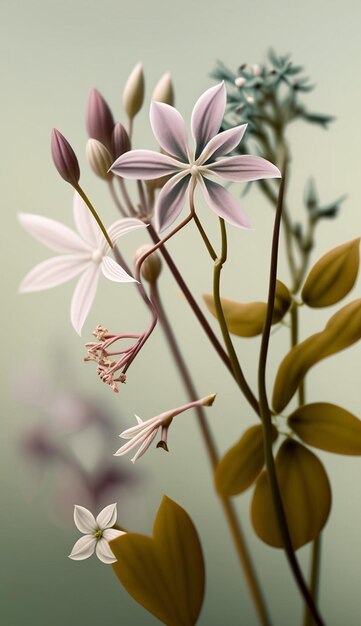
256,69
120,140
240,81
250,99
152,265
64,158
163,91
99,158
99,119
133,93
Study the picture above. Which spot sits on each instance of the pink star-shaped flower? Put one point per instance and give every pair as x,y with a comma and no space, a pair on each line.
188,167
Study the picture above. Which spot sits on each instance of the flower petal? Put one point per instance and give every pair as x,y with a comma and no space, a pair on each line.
112,533
169,129
141,426
85,223
83,548
223,143
144,447
144,164
52,234
138,439
113,271
171,201
123,226
244,168
107,517
83,297
84,520
53,272
224,204
207,116
104,552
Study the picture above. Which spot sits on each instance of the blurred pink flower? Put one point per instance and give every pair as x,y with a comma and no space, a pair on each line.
85,253
189,168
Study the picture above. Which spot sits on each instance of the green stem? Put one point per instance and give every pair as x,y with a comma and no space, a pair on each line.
203,234
94,213
229,511
237,370
267,421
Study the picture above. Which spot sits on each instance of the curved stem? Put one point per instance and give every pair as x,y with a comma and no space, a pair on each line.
115,198
236,368
203,234
228,508
267,422
83,195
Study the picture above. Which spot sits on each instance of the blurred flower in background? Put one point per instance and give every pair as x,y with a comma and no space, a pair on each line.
69,447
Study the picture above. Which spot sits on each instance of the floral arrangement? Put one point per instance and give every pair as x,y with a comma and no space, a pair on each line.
239,129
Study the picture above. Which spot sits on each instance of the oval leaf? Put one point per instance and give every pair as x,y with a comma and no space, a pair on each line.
241,465
333,276
342,330
328,427
164,573
305,493
247,319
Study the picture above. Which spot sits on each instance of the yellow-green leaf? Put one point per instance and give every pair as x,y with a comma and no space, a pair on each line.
328,427
305,493
164,573
342,330
333,276
240,466
247,319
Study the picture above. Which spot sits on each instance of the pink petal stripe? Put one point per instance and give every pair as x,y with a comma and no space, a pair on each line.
223,143
53,272
85,223
107,517
244,168
144,164
224,204
144,447
52,234
171,201
113,271
121,227
207,115
84,520
83,548
169,129
83,297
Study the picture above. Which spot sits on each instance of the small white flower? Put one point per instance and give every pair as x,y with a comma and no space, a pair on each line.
97,533
85,253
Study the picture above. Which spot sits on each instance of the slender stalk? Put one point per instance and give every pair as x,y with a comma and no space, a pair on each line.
203,234
126,197
209,443
314,577
115,198
267,421
94,213
236,368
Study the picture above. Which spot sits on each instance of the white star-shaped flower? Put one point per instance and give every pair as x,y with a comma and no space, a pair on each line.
85,253
97,533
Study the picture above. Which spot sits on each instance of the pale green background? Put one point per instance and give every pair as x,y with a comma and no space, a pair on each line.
52,53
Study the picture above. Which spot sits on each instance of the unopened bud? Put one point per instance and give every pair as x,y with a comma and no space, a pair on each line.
256,69
250,99
99,158
152,265
64,158
133,94
99,119
163,91
240,81
208,401
120,140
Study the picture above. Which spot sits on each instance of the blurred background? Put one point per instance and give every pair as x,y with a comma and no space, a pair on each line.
59,423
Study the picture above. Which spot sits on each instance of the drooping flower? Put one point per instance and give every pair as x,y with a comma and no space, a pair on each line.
85,253
98,532
144,433
188,167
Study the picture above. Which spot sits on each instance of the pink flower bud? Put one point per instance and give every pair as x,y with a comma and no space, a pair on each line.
99,119
120,140
64,158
